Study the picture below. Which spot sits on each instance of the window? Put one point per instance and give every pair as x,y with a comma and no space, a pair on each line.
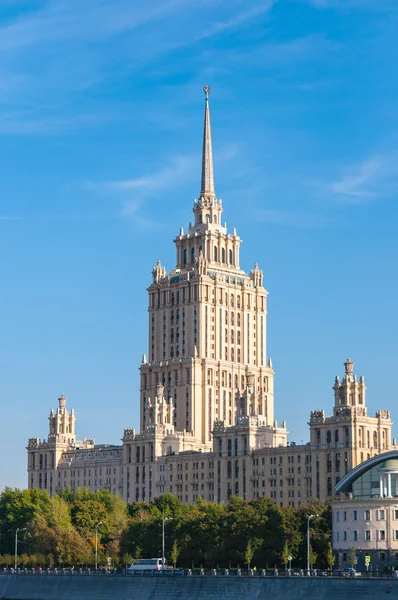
355,536
368,536
355,515
366,515
395,534
345,515
345,536
381,515
337,516
381,535
382,556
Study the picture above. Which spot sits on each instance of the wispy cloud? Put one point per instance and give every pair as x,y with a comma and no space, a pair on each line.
373,178
238,19
136,192
349,4
292,218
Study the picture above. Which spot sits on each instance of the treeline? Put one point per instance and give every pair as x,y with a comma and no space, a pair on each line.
60,531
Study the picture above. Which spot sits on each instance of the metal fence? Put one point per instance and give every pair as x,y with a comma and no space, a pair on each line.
203,572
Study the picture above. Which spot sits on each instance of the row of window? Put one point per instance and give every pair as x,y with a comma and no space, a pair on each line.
356,536
380,515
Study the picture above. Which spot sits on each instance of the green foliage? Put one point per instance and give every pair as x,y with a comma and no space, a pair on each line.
351,558
61,530
126,559
285,554
175,553
313,557
251,547
330,559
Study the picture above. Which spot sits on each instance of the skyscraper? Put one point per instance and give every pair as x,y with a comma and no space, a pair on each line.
207,427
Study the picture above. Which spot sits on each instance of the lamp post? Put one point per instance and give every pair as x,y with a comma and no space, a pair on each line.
164,519
16,546
96,544
308,540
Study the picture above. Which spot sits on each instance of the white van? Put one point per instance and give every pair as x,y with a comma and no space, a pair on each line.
146,564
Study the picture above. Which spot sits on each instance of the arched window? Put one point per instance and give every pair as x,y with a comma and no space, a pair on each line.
336,436
215,254
330,487
238,301
329,463
238,354
226,317
208,219
232,301
226,353
192,255
185,256
238,319
232,319
328,437
223,255
236,382
230,257
230,381
238,337
172,299
242,382
375,439
232,336
232,355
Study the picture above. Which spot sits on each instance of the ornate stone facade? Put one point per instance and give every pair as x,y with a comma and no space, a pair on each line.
207,426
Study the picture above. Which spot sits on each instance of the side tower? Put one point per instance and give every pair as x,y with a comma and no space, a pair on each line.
207,325
44,456
349,436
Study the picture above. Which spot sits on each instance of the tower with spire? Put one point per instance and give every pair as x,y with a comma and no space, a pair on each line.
207,324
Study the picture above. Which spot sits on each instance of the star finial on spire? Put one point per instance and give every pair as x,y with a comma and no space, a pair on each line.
207,91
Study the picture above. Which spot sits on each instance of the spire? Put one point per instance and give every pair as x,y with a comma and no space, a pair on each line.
207,187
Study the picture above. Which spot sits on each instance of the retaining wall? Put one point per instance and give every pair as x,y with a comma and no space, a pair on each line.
97,587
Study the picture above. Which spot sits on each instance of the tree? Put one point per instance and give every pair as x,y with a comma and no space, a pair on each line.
175,553
330,556
251,547
352,557
285,554
127,559
313,557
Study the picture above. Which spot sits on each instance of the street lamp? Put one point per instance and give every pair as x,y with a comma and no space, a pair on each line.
308,540
16,546
96,544
164,519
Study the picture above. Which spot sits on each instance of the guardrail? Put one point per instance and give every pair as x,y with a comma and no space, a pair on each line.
202,572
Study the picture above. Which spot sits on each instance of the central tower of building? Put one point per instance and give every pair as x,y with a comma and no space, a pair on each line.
206,357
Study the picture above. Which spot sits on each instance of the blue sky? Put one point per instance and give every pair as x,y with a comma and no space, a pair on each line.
101,114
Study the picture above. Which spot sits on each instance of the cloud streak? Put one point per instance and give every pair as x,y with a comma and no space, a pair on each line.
302,219
137,191
373,178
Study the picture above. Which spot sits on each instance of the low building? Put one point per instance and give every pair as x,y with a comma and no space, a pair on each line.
365,516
